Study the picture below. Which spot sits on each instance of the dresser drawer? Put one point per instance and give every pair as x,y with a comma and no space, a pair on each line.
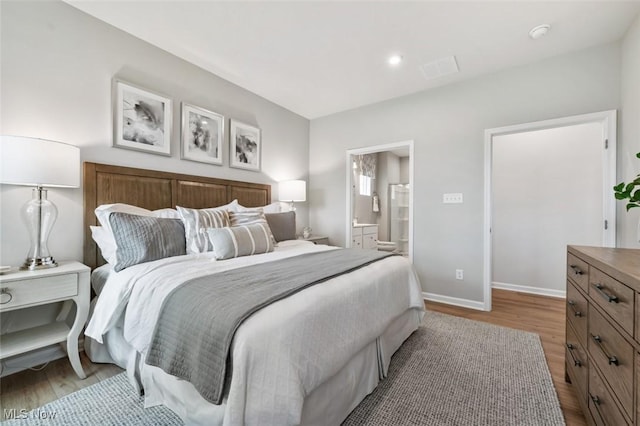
577,309
602,407
37,291
614,297
613,355
577,363
578,271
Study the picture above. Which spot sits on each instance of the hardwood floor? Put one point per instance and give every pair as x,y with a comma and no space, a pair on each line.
30,389
538,314
542,315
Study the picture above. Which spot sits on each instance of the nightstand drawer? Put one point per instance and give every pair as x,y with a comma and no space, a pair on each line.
37,291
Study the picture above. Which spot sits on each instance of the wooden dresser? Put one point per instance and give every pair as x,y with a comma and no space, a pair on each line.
602,357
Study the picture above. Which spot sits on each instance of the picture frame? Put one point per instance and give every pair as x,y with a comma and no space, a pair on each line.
141,119
202,135
245,146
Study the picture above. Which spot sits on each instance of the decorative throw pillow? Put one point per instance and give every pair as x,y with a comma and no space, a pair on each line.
247,217
282,225
196,220
104,237
243,240
142,239
275,207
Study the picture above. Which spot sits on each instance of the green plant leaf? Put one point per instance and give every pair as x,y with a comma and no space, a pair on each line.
638,155
632,205
619,187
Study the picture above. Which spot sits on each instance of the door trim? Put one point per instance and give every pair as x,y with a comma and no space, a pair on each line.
349,171
608,121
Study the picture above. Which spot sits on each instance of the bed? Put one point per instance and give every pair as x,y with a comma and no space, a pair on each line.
309,358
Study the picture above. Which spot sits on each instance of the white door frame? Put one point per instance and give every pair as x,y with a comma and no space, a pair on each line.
349,169
608,121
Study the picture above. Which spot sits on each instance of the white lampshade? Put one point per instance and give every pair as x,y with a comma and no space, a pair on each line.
38,162
293,190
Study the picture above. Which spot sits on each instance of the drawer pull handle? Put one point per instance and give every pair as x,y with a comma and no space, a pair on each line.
576,270
612,359
576,361
596,405
610,298
5,292
573,308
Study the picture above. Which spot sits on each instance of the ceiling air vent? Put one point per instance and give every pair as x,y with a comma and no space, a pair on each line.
439,67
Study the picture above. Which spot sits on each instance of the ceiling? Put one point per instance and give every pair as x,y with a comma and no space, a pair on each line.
319,58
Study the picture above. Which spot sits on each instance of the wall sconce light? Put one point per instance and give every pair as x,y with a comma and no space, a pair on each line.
39,163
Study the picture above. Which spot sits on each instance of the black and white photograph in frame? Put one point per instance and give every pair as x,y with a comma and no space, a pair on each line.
142,119
202,135
245,146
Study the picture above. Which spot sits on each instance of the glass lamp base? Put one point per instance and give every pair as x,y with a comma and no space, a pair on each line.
32,264
39,215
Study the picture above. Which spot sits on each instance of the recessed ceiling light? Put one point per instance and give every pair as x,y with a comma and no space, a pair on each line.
539,31
394,60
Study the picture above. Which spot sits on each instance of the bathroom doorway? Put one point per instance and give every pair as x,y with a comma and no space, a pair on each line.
380,198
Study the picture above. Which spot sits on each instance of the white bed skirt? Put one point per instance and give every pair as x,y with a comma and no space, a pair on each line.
328,404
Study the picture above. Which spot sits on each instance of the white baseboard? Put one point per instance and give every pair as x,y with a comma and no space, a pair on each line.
34,358
532,290
465,303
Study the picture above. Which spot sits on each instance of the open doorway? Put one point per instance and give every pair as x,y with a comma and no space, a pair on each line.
547,184
380,198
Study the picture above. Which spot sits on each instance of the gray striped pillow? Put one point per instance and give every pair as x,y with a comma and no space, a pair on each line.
142,239
247,217
196,220
243,240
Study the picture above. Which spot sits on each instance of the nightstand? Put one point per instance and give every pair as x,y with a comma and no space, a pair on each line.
318,239
69,282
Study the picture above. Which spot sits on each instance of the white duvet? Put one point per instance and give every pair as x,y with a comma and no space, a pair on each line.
284,351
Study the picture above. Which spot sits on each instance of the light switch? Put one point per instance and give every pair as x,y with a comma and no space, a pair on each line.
453,198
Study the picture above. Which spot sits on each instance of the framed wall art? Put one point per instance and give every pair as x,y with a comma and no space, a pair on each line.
245,146
202,135
141,119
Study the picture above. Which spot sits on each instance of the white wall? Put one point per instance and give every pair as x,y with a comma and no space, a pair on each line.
447,125
57,67
628,164
404,170
546,194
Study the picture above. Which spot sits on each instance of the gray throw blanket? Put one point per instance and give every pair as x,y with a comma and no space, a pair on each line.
199,318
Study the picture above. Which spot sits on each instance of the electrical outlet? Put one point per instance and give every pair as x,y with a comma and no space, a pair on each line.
455,198
459,274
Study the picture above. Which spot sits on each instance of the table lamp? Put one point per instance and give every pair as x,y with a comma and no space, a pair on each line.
292,190
39,163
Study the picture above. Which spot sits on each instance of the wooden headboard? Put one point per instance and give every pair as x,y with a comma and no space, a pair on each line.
152,189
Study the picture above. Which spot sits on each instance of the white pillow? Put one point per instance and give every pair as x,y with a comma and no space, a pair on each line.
105,242
275,207
104,237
